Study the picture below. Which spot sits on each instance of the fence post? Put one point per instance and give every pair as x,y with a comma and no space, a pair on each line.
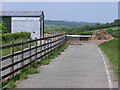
58,39
54,41
30,50
36,48
12,58
41,47
62,36
44,45
44,41
48,44
22,55
66,38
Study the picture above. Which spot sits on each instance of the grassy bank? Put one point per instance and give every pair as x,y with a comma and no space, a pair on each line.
111,28
78,30
113,31
111,49
33,68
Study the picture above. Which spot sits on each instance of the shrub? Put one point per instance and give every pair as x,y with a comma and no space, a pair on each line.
86,33
13,36
3,28
114,33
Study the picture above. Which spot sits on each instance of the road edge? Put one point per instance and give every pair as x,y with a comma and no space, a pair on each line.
106,68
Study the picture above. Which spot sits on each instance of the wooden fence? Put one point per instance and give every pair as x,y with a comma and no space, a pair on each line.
16,61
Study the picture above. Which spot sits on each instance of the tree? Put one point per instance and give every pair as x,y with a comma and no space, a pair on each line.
85,28
117,22
3,28
98,24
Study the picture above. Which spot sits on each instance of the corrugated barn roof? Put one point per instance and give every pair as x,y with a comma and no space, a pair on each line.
21,13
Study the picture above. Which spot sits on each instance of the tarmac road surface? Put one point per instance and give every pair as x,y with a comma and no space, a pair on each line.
79,66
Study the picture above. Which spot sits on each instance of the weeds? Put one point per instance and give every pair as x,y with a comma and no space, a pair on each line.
23,76
32,69
45,61
11,84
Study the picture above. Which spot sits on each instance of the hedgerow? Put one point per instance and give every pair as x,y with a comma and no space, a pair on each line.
7,37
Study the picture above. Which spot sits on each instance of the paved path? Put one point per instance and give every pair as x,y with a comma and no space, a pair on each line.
80,66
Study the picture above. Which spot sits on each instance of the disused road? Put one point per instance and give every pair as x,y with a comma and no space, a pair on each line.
79,66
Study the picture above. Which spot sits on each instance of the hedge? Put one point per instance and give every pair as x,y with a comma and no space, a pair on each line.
114,33
86,33
13,36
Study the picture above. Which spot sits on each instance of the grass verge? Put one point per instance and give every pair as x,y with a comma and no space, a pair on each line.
47,60
111,49
11,83
32,69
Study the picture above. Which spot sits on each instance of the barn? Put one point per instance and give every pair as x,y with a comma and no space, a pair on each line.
7,16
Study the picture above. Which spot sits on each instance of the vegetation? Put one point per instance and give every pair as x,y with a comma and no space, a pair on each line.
8,37
112,52
11,83
47,60
109,28
18,37
23,76
3,28
16,48
113,31
86,28
58,24
69,29
31,70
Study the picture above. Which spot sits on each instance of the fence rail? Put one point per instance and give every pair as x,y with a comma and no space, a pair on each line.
16,61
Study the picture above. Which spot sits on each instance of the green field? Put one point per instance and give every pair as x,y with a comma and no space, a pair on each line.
112,28
59,24
113,31
111,49
77,30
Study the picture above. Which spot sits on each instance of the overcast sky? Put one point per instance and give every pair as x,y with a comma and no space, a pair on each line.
70,11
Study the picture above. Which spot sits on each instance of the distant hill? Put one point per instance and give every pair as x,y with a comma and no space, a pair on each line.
58,23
